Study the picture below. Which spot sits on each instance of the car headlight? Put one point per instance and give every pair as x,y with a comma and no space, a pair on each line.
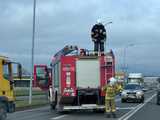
139,93
124,93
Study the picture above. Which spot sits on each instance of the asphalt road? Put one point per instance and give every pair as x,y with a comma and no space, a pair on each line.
125,111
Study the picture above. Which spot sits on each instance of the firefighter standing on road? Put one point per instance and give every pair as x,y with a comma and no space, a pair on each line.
111,90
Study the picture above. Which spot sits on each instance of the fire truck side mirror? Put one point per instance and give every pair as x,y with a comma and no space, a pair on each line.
41,76
19,70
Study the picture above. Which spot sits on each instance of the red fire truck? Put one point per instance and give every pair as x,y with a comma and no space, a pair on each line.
78,77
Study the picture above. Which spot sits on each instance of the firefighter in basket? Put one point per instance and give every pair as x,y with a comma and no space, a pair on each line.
98,35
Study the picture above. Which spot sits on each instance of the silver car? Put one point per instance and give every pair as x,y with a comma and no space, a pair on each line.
132,92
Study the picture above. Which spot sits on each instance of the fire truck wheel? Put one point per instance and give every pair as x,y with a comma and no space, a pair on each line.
54,103
52,106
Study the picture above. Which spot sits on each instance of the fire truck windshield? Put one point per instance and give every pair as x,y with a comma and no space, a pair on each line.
42,75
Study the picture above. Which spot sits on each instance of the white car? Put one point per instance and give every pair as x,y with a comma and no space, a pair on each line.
132,92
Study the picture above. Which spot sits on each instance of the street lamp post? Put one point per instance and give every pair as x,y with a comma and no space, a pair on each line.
105,24
32,52
124,58
108,23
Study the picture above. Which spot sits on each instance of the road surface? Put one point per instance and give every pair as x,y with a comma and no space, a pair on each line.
125,111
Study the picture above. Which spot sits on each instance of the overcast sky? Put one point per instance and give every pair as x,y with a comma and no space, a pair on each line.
61,22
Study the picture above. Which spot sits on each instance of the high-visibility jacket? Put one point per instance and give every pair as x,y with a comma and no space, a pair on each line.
119,88
110,91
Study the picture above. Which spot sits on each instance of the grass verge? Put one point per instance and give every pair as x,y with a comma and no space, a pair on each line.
22,105
25,92
36,101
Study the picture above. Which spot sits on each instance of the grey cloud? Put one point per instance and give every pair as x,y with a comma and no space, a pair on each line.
60,22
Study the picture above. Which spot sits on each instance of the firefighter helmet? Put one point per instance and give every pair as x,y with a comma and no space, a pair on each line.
99,21
112,81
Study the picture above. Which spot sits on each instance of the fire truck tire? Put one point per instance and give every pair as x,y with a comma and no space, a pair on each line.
61,111
52,106
54,103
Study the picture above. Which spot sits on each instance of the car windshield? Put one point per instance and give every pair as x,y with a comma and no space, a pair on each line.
132,87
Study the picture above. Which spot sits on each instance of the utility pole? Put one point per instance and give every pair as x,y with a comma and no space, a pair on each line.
106,24
124,58
32,52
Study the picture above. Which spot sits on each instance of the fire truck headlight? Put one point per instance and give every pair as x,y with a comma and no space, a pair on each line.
73,94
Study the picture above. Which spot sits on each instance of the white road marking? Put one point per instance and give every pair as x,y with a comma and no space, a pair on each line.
149,91
125,108
58,117
138,107
122,118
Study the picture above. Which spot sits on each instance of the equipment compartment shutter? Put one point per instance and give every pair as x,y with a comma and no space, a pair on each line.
88,73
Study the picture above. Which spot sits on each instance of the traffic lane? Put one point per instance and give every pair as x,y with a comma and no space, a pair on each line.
43,113
132,112
123,108
89,115
151,111
47,114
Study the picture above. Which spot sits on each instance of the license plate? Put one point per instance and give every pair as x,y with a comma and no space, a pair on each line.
131,96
